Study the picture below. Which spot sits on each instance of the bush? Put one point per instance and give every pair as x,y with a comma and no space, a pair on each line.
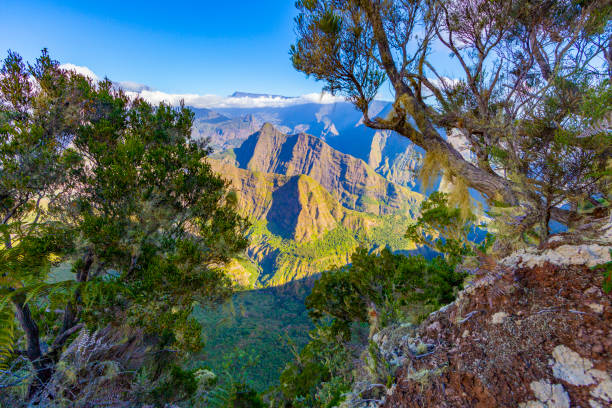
375,290
384,288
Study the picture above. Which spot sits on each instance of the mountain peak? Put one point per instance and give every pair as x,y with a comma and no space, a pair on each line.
239,94
268,128
350,180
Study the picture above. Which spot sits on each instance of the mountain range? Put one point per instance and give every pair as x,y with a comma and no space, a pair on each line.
310,205
338,124
315,184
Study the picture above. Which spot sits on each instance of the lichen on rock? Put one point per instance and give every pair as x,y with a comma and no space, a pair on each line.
548,396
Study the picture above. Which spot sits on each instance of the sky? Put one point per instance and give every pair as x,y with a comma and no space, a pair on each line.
183,47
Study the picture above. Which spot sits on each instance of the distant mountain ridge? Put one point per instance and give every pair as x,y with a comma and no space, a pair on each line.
349,180
338,124
311,206
239,94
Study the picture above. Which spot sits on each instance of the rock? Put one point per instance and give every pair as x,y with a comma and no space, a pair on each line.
596,307
499,317
435,326
548,395
589,255
593,290
532,404
603,391
570,367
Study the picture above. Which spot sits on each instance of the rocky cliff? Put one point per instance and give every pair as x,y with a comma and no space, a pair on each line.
348,179
294,207
396,159
533,330
339,125
300,228
223,131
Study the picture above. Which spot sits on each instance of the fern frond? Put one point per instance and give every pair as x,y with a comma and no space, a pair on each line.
34,291
218,398
7,335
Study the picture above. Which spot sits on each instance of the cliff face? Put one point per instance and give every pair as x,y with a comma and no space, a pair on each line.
294,207
395,158
223,131
300,228
348,179
533,330
339,125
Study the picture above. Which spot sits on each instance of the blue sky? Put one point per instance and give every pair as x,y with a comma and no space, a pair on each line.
204,47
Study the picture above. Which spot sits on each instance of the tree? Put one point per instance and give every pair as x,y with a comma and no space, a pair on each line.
385,288
116,187
444,229
527,71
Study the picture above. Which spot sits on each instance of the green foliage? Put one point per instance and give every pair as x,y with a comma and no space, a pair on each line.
607,275
375,291
245,397
7,334
117,188
179,384
330,249
319,375
251,338
445,229
386,287
378,368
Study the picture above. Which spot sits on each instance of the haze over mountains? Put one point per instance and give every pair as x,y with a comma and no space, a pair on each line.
315,182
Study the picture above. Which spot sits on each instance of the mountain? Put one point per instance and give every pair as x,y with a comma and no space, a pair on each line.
294,207
339,124
223,131
300,229
239,94
395,158
349,180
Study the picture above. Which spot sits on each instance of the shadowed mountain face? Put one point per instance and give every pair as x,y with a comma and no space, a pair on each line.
300,228
349,180
293,207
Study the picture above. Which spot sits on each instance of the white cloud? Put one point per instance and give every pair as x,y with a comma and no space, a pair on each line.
444,82
86,72
215,101
132,86
153,96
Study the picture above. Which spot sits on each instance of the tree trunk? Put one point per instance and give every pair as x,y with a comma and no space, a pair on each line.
490,184
45,364
43,368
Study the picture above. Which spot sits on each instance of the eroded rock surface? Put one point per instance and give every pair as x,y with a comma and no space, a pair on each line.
538,334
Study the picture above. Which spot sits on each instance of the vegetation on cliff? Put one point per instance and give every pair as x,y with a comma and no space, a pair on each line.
299,229
351,304
117,188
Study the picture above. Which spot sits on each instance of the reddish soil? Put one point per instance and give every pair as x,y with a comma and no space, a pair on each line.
483,364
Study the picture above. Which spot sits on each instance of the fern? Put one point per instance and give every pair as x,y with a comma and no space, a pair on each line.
7,336
34,291
7,316
218,398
